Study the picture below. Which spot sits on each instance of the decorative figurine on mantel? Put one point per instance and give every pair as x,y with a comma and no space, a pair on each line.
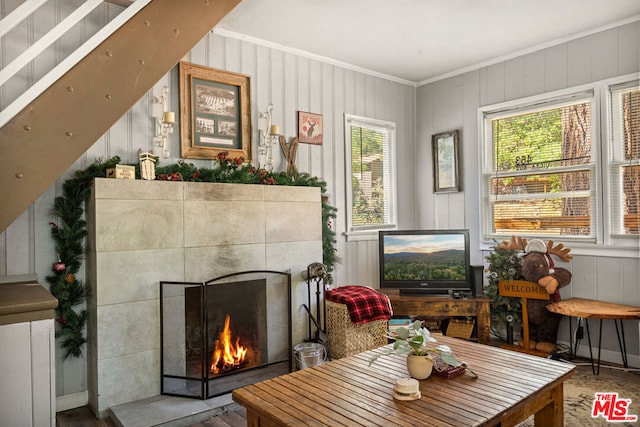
290,154
147,165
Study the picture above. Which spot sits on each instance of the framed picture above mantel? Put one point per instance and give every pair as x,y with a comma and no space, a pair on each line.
215,113
446,173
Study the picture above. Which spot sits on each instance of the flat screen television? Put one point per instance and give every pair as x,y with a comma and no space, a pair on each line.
434,262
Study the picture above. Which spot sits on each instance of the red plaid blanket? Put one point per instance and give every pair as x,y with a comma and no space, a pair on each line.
364,303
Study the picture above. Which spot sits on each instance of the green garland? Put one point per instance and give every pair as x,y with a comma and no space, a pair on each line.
504,264
70,231
68,235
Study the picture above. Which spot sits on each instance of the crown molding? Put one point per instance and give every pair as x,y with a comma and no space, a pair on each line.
305,54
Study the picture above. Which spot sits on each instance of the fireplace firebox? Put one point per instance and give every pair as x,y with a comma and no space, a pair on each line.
224,333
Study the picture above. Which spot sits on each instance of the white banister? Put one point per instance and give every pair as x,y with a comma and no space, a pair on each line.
65,65
47,40
18,15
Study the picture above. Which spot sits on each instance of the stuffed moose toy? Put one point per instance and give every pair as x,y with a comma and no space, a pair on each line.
538,267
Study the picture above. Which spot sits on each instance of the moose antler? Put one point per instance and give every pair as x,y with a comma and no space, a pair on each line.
516,243
520,243
559,250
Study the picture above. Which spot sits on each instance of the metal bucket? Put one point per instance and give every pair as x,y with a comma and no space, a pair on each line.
309,354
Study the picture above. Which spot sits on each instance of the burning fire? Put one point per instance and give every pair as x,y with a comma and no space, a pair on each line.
226,355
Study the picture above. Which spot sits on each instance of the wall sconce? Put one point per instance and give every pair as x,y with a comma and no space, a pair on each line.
164,124
268,137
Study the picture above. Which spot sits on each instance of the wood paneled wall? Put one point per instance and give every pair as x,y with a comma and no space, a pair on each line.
295,83
453,103
288,81
292,82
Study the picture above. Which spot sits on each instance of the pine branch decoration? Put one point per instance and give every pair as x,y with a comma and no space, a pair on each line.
504,264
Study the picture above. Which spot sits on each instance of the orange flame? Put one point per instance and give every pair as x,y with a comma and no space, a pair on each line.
226,355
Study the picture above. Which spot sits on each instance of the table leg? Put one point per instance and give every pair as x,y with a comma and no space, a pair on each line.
593,368
253,419
571,352
552,415
621,343
579,336
484,322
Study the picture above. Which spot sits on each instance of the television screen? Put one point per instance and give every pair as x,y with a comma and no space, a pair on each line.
425,261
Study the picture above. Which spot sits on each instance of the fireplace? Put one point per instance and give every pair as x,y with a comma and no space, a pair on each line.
141,232
224,333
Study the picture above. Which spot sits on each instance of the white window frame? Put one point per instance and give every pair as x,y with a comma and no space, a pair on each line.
607,242
614,162
370,232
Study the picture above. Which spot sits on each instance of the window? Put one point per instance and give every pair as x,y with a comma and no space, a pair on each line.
625,158
370,173
539,169
565,166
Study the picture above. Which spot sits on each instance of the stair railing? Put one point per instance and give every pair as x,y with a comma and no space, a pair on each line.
23,12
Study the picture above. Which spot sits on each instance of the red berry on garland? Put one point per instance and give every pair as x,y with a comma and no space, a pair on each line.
59,266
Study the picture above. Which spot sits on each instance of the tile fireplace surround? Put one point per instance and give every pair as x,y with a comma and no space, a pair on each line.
142,232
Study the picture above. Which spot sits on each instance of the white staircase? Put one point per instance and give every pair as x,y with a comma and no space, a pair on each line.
22,16
113,53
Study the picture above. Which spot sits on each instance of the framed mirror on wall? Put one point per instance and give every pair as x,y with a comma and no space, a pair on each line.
446,153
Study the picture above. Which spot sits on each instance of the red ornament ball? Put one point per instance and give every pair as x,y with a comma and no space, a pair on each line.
59,266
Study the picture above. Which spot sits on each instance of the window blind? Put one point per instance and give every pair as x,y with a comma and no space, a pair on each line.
371,174
541,176
625,164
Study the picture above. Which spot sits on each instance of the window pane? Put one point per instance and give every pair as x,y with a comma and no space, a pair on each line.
370,173
367,167
631,124
543,139
631,199
542,175
625,167
548,216
631,174
541,183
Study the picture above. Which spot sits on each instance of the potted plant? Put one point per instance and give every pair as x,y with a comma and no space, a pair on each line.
414,341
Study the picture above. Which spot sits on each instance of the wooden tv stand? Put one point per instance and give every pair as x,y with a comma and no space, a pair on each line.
429,305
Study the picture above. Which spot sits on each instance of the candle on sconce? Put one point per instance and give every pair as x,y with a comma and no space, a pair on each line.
275,130
169,117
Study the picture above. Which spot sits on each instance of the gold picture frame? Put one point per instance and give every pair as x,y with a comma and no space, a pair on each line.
446,173
215,113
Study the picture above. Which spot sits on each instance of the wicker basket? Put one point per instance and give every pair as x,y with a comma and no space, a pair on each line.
460,328
345,338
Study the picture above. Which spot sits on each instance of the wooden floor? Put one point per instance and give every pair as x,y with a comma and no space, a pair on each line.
237,418
83,417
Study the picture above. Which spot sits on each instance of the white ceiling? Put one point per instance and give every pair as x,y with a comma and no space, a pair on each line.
420,40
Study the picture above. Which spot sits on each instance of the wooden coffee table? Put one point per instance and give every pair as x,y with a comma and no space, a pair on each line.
510,387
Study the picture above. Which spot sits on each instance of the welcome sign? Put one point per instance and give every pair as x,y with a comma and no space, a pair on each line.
522,289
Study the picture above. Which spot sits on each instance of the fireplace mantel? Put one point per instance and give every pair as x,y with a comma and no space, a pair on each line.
142,232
